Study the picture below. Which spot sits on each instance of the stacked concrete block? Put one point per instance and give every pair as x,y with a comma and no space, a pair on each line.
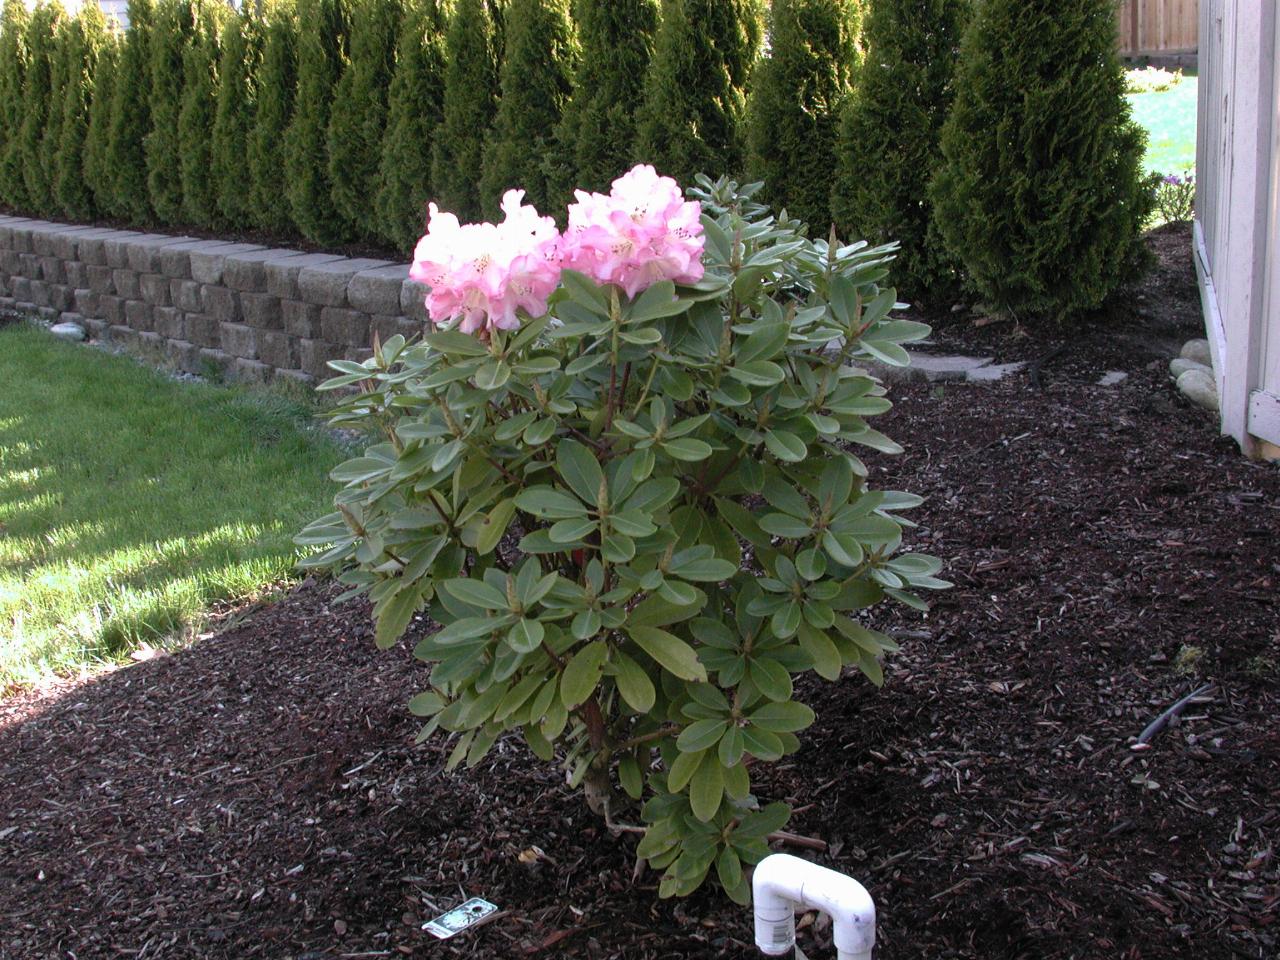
245,310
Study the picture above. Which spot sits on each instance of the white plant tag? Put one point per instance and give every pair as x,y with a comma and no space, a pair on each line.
460,918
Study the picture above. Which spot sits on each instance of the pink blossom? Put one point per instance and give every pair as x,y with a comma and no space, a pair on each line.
481,273
641,233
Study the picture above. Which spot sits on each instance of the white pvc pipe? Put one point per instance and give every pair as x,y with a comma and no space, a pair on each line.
783,884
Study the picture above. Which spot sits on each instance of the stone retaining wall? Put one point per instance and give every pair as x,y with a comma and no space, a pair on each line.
251,312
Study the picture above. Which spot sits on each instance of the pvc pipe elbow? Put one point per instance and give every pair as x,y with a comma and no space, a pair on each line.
783,883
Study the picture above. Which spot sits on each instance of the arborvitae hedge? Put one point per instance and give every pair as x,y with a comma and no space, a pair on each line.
195,122
175,22
1041,194
359,115
537,79
37,93
13,68
233,120
888,145
98,176
796,98
692,117
322,54
86,38
470,101
131,118
277,85
596,136
414,109
60,68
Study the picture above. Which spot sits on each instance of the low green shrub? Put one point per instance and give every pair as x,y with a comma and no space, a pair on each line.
634,506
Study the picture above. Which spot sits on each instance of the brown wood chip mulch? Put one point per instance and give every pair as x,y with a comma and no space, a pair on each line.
259,794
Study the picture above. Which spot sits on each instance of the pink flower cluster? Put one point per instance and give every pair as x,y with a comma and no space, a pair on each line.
480,273
643,232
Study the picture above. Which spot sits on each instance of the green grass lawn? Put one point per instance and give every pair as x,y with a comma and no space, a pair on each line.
1170,121
129,501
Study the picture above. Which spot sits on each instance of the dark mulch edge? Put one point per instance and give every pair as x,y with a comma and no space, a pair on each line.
259,794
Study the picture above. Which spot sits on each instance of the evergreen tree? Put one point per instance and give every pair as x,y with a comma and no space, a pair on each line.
98,176
470,101
131,117
414,109
359,116
277,84
233,120
60,69
322,54
13,67
888,144
536,80
598,131
37,93
86,38
195,121
1041,194
694,98
795,105
175,22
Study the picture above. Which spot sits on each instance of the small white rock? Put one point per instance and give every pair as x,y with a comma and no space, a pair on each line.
1198,350
1199,387
1180,365
1112,378
68,331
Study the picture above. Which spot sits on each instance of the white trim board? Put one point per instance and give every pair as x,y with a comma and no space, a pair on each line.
1264,416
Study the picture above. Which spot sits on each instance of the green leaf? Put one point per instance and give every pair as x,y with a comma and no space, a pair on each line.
683,769
701,735
618,548
475,592
492,375
582,674
571,530
494,526
757,373
770,677
580,469
657,301
787,527
823,653
785,445
633,684
687,449
540,432
550,503
708,570
455,342
785,717
729,869
764,342
706,789
843,548
395,614
669,651
525,636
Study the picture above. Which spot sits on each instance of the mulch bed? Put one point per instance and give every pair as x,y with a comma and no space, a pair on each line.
259,794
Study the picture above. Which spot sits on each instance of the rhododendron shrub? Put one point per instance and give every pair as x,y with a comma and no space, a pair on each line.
617,485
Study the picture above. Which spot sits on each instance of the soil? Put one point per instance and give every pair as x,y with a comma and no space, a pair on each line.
259,794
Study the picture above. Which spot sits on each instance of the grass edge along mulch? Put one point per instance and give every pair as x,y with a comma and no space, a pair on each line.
131,502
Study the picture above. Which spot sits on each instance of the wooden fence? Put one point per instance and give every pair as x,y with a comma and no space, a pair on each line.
1151,27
